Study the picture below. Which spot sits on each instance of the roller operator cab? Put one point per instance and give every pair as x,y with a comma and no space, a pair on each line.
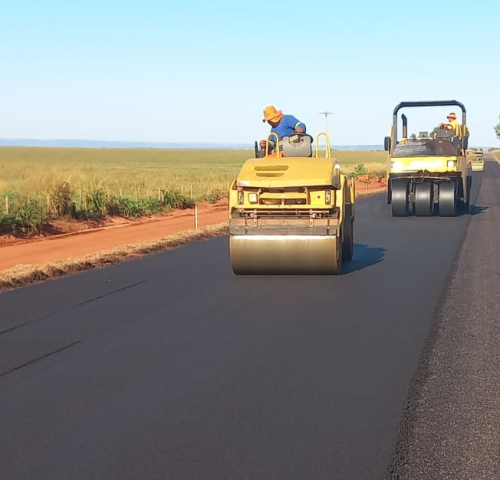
428,174
291,212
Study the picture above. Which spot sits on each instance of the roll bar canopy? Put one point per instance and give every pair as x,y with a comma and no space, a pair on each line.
429,103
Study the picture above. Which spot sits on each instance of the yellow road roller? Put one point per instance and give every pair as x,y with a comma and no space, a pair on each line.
291,212
477,161
428,173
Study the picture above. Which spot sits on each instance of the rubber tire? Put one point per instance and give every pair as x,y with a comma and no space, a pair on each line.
399,201
448,199
424,199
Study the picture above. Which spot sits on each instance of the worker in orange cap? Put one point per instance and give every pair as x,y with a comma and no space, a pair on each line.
281,124
452,120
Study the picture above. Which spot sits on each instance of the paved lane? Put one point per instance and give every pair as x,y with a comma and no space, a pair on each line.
452,425
171,367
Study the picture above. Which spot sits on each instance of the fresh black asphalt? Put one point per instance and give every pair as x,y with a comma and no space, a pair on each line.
171,367
451,430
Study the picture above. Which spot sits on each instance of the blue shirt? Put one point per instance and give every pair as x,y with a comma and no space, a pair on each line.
287,126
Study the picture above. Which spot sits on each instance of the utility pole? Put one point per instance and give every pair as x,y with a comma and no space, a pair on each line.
326,113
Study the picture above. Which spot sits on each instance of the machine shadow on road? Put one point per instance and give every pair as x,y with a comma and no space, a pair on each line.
477,209
364,256
472,210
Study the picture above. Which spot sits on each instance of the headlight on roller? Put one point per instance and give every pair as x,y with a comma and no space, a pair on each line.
397,166
328,197
451,163
253,198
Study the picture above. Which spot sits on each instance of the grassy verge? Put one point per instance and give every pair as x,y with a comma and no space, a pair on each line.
25,216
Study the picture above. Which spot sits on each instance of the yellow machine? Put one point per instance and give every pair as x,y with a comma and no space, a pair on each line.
425,172
291,212
477,161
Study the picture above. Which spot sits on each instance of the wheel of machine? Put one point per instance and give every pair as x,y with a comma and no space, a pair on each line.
424,199
286,254
448,199
337,269
400,191
466,204
348,243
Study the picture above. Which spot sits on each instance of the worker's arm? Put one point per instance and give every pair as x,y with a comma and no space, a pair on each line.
296,124
300,127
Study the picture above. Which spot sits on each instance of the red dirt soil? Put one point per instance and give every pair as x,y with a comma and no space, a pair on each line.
116,233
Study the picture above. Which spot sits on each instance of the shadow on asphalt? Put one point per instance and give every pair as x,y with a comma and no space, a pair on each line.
477,209
364,256
473,210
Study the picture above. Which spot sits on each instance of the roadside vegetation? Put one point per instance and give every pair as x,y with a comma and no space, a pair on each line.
40,184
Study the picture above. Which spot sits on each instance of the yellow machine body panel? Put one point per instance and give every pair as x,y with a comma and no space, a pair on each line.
429,164
280,172
294,183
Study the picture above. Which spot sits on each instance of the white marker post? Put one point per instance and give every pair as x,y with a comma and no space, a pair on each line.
326,113
196,217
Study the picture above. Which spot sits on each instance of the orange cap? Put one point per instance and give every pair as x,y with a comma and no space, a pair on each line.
452,115
271,114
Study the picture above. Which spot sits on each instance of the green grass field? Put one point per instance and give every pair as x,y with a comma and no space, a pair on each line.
30,170
46,182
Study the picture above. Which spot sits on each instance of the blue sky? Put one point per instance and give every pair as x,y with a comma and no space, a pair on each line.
200,71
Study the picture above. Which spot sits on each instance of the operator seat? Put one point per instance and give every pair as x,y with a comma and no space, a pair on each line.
450,135
297,145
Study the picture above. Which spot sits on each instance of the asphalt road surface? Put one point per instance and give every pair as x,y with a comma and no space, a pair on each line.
171,367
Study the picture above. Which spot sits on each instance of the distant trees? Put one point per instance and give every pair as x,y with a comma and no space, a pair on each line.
497,128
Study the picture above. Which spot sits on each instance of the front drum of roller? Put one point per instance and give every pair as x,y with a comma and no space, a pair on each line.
285,255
